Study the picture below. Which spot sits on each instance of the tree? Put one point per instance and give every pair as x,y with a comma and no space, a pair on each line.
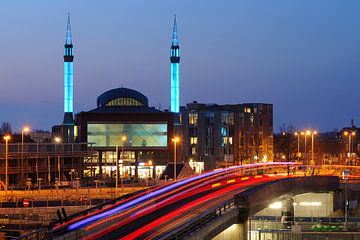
285,142
5,128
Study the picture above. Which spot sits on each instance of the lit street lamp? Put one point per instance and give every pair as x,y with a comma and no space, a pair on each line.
312,146
305,134
57,141
6,138
123,141
350,134
23,131
175,140
298,145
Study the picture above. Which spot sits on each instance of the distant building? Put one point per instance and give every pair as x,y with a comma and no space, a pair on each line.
330,148
40,136
219,135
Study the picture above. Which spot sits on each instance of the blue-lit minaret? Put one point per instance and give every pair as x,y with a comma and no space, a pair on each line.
68,76
175,70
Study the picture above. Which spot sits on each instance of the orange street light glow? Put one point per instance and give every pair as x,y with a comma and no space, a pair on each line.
7,137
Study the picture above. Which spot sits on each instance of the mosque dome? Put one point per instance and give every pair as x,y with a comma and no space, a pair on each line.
122,97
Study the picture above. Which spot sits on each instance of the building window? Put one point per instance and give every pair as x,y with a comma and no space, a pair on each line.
227,141
209,118
192,131
193,118
227,118
247,110
209,151
209,132
193,151
193,140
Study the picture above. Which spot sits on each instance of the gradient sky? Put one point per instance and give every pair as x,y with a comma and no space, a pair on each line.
302,56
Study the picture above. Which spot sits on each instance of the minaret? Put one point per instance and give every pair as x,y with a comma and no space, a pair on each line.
68,123
175,70
68,76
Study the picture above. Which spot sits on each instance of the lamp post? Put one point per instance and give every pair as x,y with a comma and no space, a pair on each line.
150,163
6,138
312,145
23,131
298,145
123,140
117,169
306,133
57,141
175,140
350,134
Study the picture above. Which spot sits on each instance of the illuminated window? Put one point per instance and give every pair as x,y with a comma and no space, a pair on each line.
193,140
138,135
193,150
193,118
247,110
119,102
227,141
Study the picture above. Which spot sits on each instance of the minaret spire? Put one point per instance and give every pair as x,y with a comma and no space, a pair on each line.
175,70
68,40
175,38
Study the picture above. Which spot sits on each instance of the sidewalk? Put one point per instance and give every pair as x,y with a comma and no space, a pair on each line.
80,194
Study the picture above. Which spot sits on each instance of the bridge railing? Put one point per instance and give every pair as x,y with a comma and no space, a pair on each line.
306,223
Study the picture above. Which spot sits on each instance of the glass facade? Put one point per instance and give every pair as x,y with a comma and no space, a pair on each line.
137,134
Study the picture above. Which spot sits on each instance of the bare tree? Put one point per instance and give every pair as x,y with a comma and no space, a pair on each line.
285,142
5,128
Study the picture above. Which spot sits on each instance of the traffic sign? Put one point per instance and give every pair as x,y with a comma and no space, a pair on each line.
26,202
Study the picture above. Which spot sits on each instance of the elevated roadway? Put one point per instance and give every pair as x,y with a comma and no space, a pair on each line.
178,208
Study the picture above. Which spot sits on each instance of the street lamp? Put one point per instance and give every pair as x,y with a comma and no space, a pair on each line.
6,138
150,164
350,134
57,141
24,130
123,141
312,145
175,140
298,145
306,133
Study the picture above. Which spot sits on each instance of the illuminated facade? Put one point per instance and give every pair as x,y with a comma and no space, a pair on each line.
68,76
124,121
175,70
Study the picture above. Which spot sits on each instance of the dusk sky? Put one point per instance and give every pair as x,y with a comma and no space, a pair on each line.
302,56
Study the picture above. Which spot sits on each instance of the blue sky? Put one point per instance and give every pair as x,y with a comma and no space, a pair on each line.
302,56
